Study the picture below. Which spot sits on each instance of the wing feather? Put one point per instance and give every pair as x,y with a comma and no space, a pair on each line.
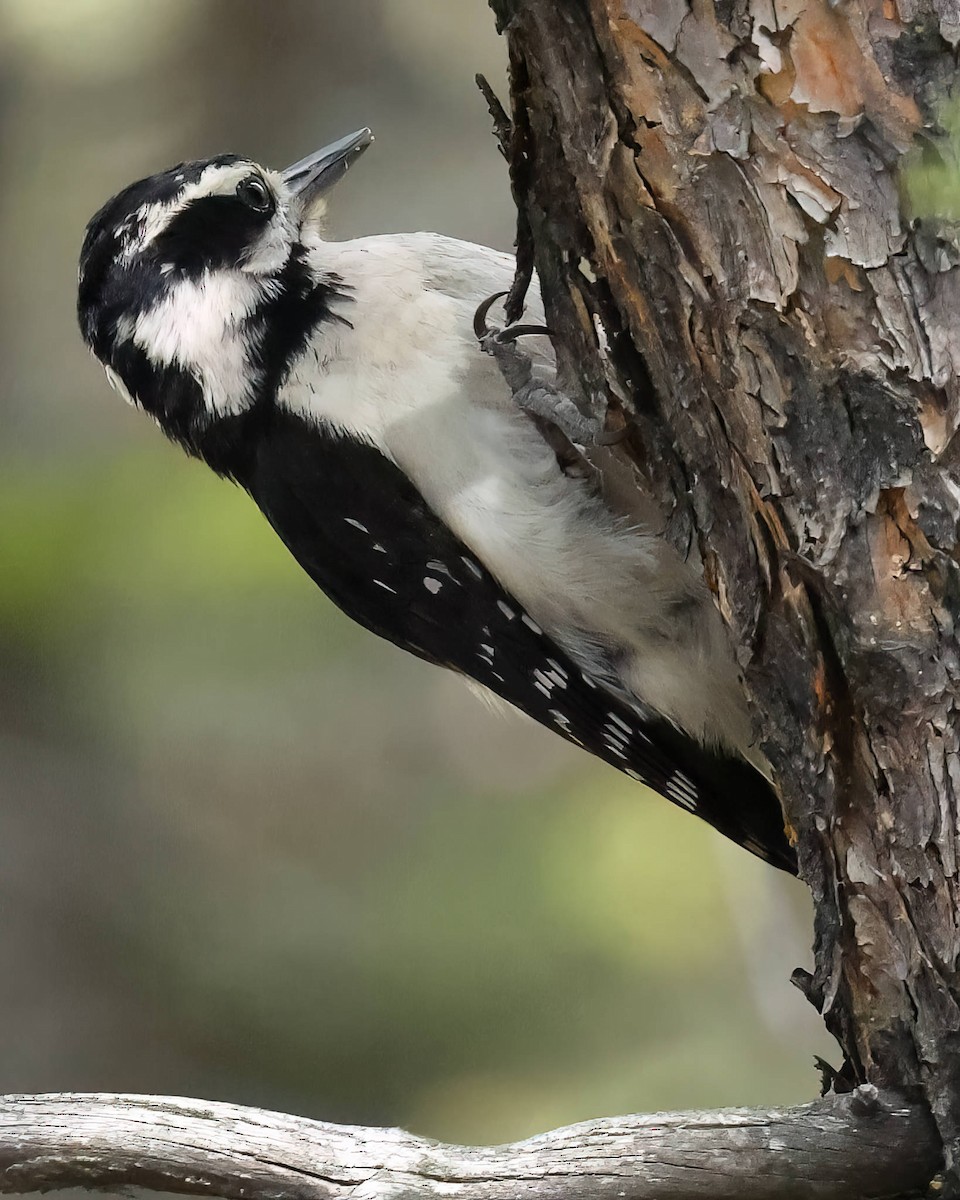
365,535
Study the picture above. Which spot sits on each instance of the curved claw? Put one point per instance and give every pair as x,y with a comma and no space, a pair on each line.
512,332
480,327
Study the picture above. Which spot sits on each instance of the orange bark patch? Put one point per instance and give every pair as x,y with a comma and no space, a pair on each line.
894,501
835,73
821,686
898,549
647,63
839,269
777,88
629,31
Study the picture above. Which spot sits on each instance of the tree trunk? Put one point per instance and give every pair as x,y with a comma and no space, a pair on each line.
712,194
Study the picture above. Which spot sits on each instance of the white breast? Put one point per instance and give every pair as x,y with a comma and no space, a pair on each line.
409,377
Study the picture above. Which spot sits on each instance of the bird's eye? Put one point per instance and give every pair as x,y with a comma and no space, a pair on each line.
255,193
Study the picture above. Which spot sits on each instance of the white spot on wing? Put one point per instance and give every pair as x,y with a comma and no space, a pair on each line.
386,586
560,719
432,585
356,524
471,566
627,729
441,568
682,790
543,681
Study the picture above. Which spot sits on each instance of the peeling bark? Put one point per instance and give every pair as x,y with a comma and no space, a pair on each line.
713,195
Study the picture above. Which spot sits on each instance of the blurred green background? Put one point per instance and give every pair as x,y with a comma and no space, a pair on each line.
246,850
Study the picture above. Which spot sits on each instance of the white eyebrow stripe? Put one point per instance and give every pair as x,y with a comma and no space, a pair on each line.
216,179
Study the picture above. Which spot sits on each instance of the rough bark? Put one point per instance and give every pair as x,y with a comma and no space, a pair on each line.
712,190
843,1147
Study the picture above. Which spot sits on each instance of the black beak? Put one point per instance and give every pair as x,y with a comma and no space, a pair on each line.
316,174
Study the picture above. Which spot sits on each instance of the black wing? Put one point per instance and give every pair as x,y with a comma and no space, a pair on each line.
365,535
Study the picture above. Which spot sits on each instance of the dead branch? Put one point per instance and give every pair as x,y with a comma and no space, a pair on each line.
864,1143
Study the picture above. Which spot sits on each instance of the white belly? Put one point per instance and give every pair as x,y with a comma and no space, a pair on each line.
409,377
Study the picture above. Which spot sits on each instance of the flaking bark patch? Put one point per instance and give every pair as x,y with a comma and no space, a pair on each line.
784,338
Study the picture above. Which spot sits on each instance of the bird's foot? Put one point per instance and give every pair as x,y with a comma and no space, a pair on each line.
533,392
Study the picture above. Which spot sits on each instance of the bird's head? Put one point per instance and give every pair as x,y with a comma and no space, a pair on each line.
196,287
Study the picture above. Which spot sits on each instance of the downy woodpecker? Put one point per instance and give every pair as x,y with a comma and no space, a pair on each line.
341,384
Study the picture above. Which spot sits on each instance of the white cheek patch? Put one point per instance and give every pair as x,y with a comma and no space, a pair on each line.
200,325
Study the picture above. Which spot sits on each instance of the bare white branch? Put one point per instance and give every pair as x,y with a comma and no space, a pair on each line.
867,1143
